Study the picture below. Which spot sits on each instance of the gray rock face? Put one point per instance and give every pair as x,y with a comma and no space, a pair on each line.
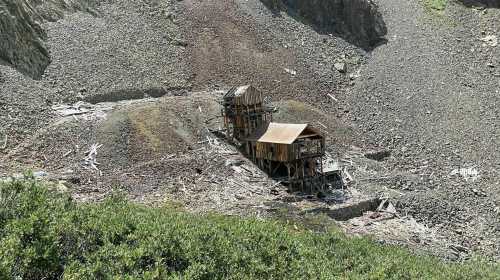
357,21
22,39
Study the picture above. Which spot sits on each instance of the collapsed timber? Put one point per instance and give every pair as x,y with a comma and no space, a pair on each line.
290,153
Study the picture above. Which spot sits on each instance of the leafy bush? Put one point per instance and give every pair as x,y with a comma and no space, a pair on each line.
45,235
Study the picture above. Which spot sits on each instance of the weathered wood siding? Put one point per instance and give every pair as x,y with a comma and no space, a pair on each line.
250,97
275,152
289,152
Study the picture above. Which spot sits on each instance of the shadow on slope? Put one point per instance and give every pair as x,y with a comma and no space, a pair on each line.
357,21
481,3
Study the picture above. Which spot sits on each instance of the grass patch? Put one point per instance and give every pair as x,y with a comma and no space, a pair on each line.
46,235
436,5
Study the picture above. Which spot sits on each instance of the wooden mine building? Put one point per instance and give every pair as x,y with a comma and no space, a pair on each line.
290,153
244,112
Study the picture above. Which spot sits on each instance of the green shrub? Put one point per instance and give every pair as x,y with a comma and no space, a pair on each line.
437,5
45,235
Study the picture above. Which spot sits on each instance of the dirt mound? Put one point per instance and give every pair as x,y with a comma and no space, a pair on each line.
129,132
146,132
153,150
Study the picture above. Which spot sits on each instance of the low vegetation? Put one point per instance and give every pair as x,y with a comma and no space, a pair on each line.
437,5
46,235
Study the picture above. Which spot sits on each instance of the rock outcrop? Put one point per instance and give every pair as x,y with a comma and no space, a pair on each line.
22,39
22,43
357,21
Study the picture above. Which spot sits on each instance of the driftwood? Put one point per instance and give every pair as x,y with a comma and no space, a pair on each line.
333,98
348,161
78,108
348,178
91,158
67,153
5,142
324,126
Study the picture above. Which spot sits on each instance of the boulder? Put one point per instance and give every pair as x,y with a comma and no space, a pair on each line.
340,66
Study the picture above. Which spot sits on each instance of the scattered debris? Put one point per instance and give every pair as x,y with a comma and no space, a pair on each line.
78,108
378,155
387,207
333,98
479,192
39,174
324,126
470,173
490,40
347,178
91,159
234,162
291,71
67,153
5,142
459,248
355,75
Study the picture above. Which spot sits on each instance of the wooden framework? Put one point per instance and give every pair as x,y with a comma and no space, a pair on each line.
244,112
290,153
299,163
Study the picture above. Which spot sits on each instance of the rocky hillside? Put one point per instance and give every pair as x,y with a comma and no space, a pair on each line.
23,43
419,84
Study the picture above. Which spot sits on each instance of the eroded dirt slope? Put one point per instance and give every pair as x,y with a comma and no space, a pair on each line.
240,42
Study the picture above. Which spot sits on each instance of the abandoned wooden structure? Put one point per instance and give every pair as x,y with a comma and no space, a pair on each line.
290,153
244,112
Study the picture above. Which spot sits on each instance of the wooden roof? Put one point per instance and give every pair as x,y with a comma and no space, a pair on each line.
285,133
241,90
244,95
